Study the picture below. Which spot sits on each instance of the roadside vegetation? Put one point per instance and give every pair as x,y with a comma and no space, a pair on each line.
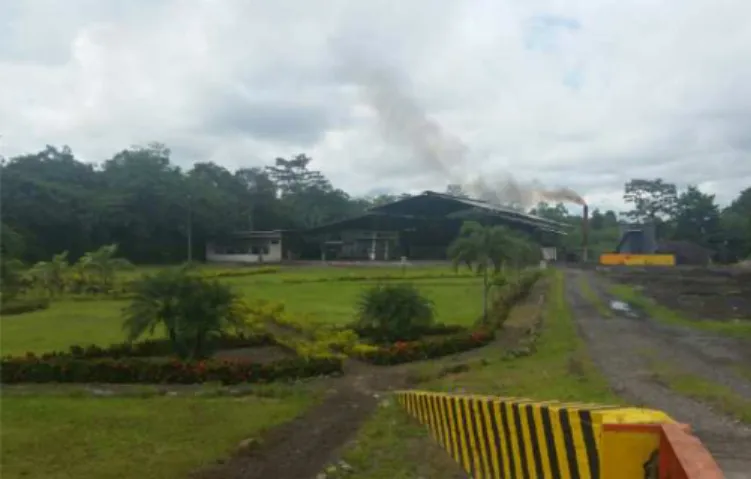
716,395
731,327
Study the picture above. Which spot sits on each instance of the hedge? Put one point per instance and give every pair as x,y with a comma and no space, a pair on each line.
157,347
33,369
381,277
20,306
428,348
379,336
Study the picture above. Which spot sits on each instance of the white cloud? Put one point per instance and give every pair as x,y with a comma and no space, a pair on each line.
581,93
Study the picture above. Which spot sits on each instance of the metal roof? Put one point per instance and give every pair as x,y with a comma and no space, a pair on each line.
453,207
509,213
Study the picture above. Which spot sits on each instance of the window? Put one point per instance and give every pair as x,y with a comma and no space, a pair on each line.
275,241
259,249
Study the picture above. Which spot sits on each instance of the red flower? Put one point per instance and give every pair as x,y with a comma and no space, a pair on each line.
401,345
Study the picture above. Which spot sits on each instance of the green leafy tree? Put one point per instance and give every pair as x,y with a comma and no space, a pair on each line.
105,264
735,224
652,200
52,275
483,248
697,218
193,310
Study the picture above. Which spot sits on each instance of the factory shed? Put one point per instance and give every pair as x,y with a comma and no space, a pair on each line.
420,227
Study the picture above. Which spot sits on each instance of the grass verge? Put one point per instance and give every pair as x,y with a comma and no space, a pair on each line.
732,328
560,369
121,438
722,398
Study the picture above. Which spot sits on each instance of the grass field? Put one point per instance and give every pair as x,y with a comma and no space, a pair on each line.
153,436
457,301
156,438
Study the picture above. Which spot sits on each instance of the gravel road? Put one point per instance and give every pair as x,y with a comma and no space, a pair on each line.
623,347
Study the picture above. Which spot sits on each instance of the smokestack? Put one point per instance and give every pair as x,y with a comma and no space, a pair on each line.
585,233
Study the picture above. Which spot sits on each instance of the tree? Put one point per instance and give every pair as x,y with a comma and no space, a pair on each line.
697,218
52,275
105,264
652,200
480,248
735,223
192,309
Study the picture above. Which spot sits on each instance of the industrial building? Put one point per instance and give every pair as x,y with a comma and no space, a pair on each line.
420,227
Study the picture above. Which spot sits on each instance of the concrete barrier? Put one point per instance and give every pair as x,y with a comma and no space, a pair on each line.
492,437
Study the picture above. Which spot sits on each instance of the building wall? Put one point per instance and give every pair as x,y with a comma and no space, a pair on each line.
272,248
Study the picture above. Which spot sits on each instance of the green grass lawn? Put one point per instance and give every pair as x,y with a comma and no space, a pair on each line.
458,300
65,323
164,437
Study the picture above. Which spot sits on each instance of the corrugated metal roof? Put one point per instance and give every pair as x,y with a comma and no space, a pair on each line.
484,205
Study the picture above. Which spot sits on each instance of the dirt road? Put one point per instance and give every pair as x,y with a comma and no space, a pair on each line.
626,347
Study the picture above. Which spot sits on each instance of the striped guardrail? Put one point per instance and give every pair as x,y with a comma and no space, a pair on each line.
492,437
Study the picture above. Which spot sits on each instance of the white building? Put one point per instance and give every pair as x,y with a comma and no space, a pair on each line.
248,247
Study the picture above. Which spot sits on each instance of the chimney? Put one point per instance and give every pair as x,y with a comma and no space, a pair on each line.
585,234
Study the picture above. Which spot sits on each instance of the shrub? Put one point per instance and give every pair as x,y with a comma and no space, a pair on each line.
405,351
395,310
194,310
20,306
377,335
150,371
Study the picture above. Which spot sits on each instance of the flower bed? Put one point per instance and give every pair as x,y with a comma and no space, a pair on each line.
65,369
432,347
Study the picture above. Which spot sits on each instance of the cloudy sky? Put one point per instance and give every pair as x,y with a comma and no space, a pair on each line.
578,93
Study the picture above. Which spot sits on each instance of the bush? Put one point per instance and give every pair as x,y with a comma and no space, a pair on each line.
416,332
395,310
20,306
33,369
194,310
404,351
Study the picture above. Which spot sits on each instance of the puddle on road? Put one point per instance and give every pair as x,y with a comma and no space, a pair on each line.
623,307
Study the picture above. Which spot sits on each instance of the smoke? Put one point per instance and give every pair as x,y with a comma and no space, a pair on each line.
402,121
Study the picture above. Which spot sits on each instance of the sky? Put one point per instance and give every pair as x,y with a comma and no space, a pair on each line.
584,94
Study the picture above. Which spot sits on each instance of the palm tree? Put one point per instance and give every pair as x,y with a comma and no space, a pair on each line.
52,274
480,248
105,264
191,309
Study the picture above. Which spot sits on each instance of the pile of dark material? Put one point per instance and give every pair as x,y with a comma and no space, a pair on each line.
686,252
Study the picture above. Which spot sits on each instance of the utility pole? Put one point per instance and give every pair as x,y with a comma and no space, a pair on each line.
190,229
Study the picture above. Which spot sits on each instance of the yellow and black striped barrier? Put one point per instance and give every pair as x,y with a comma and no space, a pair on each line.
493,437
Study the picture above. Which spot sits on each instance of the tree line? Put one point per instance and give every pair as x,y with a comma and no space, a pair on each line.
140,200
688,215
